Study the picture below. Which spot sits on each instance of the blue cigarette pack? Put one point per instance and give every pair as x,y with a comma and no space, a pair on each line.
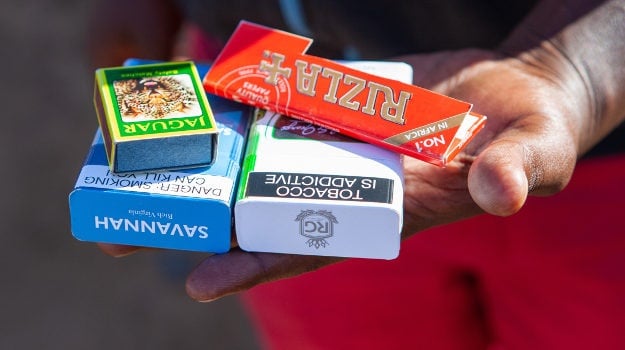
188,209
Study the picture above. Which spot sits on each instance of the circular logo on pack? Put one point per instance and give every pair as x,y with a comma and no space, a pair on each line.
317,226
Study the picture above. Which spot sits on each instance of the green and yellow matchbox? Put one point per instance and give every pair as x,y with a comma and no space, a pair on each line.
154,116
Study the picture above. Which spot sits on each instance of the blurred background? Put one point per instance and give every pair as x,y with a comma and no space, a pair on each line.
56,292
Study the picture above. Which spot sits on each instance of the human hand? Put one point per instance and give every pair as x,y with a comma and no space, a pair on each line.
509,159
547,103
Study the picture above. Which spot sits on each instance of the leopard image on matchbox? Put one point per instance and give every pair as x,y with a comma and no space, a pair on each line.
154,116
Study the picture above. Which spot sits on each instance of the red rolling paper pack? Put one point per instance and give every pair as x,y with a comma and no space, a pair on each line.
268,68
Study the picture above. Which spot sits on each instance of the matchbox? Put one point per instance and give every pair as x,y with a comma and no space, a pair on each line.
309,190
154,116
268,68
186,209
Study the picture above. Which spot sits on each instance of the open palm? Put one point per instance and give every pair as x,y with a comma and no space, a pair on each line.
526,147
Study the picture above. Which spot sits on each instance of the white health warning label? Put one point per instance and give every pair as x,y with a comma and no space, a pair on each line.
165,183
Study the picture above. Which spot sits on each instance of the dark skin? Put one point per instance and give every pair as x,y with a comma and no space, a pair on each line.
548,99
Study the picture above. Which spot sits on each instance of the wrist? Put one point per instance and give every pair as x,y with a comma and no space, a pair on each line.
581,52
570,96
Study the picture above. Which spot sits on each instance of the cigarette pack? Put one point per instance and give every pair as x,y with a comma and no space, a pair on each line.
309,190
154,116
186,209
268,68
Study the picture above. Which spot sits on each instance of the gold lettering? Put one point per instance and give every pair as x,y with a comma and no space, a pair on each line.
347,99
399,107
388,104
335,77
274,68
307,82
374,88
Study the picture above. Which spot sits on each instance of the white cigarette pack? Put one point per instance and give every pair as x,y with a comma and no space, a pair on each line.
309,190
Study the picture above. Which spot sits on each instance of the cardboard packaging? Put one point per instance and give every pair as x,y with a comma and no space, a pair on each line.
189,209
308,190
267,68
154,116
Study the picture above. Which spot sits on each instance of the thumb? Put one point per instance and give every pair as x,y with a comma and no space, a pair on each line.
497,179
512,167
224,274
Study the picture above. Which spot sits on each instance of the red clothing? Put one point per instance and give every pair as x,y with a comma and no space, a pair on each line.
550,277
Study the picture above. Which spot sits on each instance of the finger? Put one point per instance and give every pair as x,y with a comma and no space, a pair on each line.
221,275
512,167
117,250
497,180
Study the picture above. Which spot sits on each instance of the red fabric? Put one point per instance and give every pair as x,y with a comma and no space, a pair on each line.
550,277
